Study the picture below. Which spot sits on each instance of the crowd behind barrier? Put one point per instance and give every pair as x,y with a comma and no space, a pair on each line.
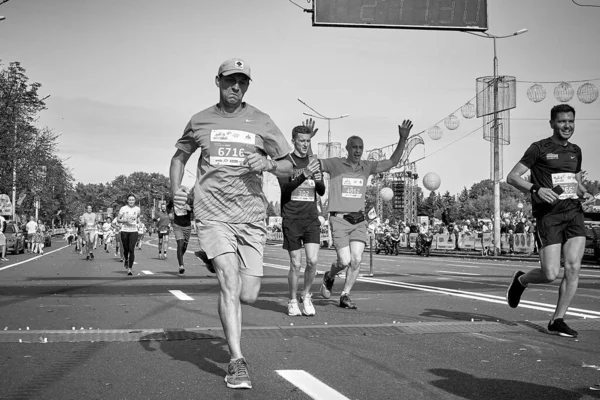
523,243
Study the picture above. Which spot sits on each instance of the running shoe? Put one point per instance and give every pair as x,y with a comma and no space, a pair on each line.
181,270
129,271
87,258
306,305
515,290
237,375
293,309
559,327
204,258
327,285
345,302
91,255
4,259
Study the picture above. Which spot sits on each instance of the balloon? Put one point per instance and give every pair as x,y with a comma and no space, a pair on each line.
386,194
431,181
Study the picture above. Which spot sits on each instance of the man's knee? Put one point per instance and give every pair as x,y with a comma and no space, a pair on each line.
549,275
311,262
248,298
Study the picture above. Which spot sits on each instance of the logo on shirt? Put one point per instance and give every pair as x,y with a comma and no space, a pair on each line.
572,157
551,156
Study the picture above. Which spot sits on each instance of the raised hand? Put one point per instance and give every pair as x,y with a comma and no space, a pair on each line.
310,124
404,129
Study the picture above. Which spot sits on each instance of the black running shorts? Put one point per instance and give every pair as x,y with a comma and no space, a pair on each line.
298,231
560,227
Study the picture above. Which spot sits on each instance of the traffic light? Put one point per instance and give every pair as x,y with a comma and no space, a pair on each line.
398,200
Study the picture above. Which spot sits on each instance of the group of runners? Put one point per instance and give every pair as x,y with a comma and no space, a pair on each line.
238,143
127,230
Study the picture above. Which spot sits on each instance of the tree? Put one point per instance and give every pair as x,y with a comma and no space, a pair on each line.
28,150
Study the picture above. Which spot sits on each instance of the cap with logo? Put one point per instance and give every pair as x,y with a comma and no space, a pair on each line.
234,66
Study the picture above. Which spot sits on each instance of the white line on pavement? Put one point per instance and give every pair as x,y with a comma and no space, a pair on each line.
147,272
180,295
311,385
34,258
458,273
577,312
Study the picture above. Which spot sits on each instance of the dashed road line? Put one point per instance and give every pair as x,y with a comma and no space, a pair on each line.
180,295
146,272
310,385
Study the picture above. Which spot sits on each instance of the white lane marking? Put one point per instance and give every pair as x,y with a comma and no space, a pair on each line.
577,312
484,297
311,385
458,273
147,272
180,295
590,276
32,259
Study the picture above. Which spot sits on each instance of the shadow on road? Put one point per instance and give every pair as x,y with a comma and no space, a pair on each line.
468,386
204,351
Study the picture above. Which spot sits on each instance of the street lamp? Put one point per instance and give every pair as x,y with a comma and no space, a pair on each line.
495,137
329,119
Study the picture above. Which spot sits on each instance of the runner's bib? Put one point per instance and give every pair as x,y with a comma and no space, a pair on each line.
304,192
352,188
229,147
568,183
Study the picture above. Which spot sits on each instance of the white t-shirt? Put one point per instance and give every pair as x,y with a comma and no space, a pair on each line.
2,221
131,215
31,227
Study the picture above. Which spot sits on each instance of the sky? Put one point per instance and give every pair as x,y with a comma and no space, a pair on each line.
124,77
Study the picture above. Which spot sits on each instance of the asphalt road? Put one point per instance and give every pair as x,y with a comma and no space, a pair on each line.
425,328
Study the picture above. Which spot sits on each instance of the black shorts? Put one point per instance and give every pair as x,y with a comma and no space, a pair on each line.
298,231
162,234
560,227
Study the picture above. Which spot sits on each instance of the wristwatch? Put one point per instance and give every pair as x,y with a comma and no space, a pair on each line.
534,189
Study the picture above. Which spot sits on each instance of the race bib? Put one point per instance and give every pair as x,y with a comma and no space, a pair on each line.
353,188
229,147
568,183
305,192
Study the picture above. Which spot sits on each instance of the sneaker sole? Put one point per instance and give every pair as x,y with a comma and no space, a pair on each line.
243,385
555,333
512,282
324,292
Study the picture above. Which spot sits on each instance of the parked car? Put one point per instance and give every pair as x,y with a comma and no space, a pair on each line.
15,240
592,243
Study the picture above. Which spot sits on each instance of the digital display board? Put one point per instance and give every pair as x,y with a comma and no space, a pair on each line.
461,15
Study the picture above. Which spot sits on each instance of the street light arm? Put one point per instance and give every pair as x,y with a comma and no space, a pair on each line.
486,35
313,110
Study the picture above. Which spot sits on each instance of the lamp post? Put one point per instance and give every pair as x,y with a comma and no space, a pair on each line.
495,138
329,119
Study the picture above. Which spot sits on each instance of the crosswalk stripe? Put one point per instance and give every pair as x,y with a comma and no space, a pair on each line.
180,295
311,385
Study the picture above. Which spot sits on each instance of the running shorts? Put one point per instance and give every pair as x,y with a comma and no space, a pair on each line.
161,234
298,231
246,240
182,232
560,227
343,232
